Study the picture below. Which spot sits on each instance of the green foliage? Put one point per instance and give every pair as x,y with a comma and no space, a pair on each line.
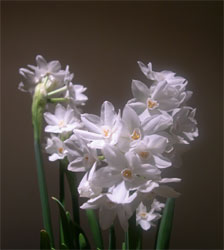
45,242
163,239
71,230
95,228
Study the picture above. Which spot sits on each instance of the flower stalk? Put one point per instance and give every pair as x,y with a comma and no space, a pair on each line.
61,197
57,91
38,105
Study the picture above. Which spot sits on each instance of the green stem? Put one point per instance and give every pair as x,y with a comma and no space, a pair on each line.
112,238
37,116
139,238
71,178
165,228
61,197
56,100
127,240
57,91
95,228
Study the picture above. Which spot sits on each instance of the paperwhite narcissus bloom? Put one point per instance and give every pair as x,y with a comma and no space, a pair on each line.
56,148
184,124
123,157
75,94
164,75
101,130
150,150
81,158
36,74
131,130
146,219
86,187
163,96
151,189
124,168
64,120
111,205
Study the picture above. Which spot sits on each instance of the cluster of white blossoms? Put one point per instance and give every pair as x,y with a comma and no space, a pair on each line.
124,153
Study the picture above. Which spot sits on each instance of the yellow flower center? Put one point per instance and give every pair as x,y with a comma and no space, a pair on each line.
151,104
61,124
144,154
60,150
143,215
135,135
127,173
106,132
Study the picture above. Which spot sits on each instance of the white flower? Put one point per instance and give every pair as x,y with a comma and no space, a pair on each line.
75,94
56,148
157,206
146,219
131,130
50,73
165,75
150,150
153,188
184,124
101,130
80,156
163,96
112,205
124,168
64,120
157,123
86,187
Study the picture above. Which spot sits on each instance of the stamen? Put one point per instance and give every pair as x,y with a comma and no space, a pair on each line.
60,150
143,215
144,154
135,135
106,132
127,173
61,124
152,104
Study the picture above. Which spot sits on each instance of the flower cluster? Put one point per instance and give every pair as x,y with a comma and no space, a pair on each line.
122,154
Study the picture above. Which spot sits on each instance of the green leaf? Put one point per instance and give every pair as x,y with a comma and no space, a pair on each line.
132,232
44,240
95,228
123,246
112,239
76,230
64,246
139,238
133,239
163,239
68,237
126,240
71,178
82,242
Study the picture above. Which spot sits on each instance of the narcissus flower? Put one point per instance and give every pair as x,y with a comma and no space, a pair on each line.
56,147
81,158
63,120
111,205
101,130
49,73
146,219
164,75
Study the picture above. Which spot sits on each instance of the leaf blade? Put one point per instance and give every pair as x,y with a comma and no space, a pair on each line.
164,233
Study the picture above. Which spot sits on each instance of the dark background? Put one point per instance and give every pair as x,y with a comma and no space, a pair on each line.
102,41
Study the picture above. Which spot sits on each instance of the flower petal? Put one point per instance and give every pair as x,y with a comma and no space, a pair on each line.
108,114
